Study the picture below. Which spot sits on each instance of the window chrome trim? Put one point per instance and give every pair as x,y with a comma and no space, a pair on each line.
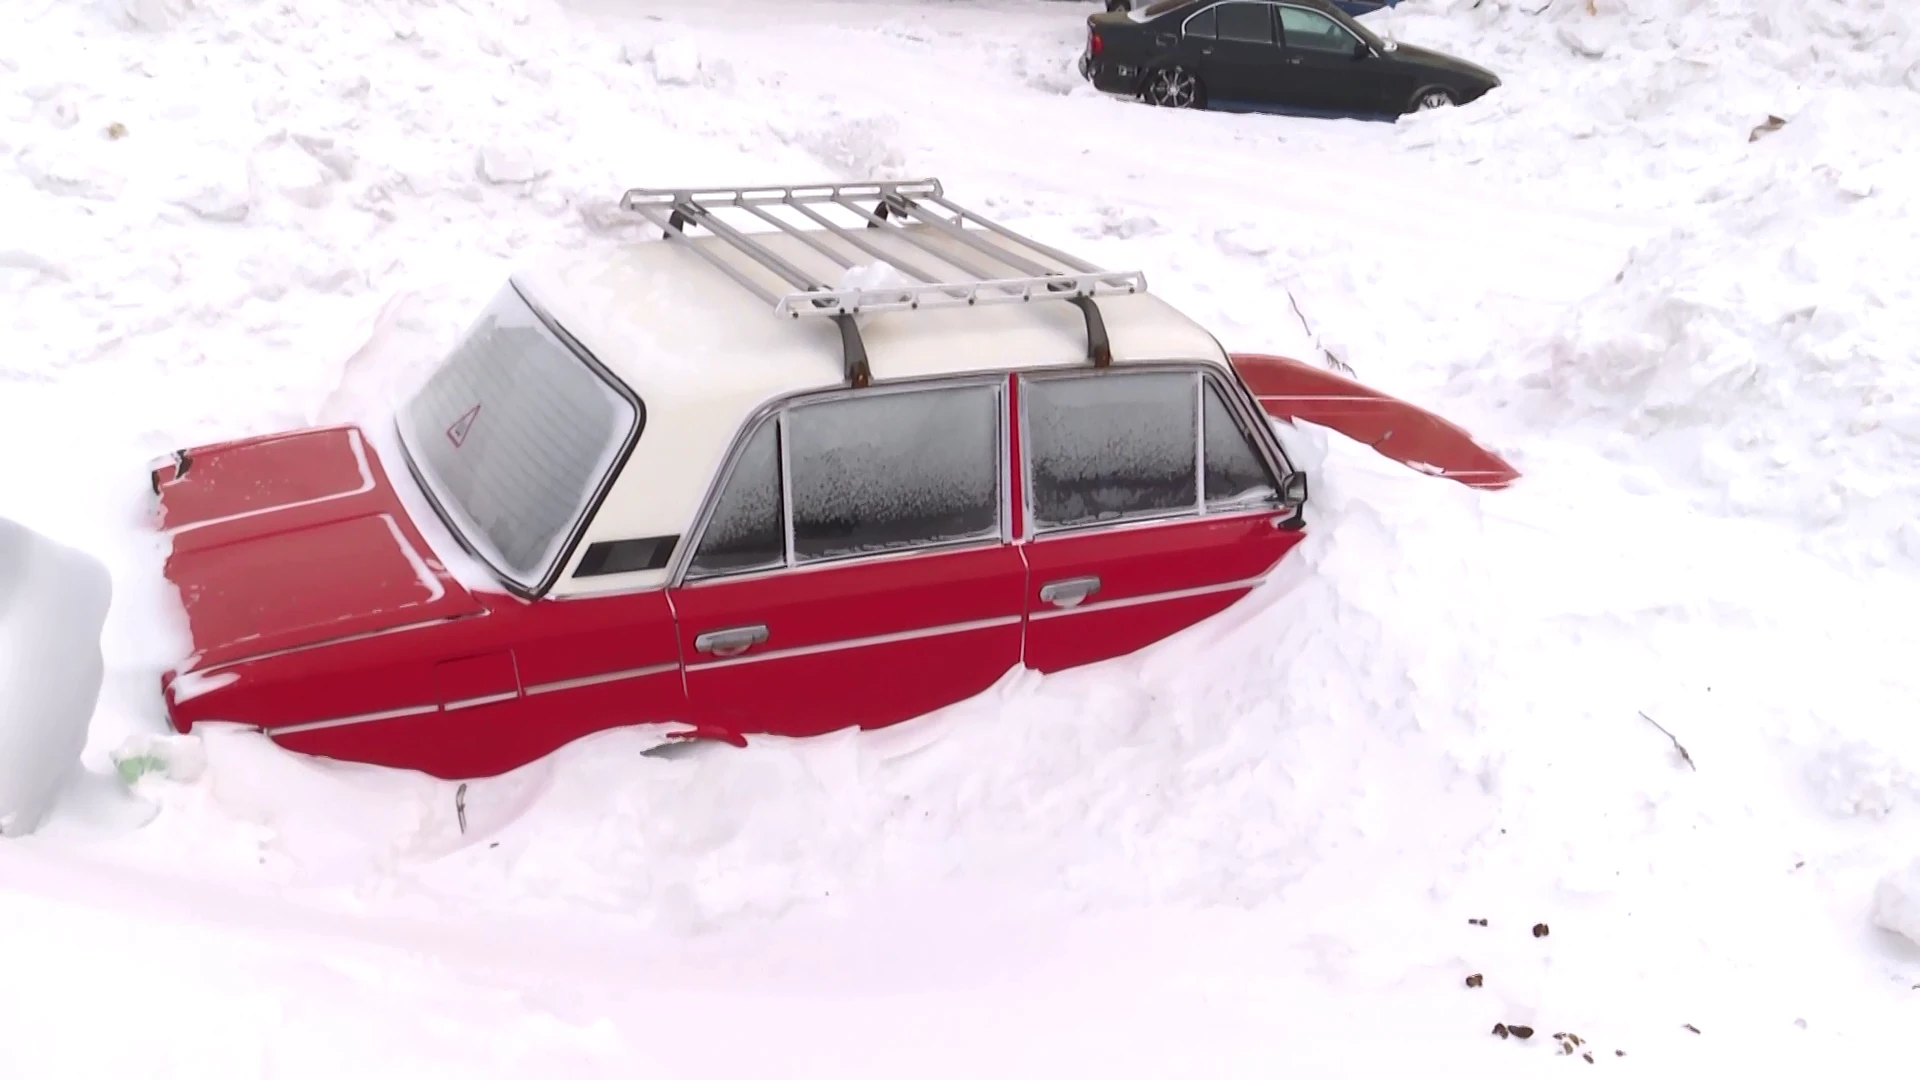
679,572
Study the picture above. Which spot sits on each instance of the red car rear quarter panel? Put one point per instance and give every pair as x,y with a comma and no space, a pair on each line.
1291,390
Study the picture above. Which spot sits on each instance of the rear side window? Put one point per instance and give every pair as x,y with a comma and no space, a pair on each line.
1107,447
868,474
513,435
1315,32
1111,447
1245,22
748,529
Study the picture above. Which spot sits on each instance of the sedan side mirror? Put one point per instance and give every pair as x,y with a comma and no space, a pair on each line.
1361,50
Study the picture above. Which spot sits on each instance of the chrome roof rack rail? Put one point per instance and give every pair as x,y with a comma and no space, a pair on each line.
981,261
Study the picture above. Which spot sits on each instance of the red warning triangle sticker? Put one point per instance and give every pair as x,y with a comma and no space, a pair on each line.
457,434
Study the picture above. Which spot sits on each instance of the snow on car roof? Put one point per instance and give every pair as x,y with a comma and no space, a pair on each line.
704,354
677,330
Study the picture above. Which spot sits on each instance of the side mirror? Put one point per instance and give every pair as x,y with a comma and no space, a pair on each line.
1293,488
1361,50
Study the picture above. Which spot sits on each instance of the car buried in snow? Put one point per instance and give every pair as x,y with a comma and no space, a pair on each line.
781,475
1295,56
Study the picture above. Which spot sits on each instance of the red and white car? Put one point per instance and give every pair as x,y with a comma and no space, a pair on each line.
679,509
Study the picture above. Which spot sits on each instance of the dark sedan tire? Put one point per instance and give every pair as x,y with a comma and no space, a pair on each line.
1174,87
1433,97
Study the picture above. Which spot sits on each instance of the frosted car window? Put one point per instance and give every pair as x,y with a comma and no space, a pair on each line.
1107,447
1311,30
883,472
1200,25
748,528
1236,474
1246,22
512,434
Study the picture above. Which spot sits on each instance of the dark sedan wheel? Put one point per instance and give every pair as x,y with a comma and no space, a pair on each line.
1435,98
1174,88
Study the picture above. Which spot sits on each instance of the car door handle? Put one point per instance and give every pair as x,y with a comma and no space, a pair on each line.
1293,59
1070,591
732,641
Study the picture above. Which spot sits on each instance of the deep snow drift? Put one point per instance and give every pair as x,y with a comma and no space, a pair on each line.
1256,847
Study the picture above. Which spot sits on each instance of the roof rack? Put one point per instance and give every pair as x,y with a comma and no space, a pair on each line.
1013,270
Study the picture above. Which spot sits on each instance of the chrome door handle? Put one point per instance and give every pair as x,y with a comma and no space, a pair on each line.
1069,592
1293,59
732,641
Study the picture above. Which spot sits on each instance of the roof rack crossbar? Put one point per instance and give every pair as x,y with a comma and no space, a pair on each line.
906,208
1099,346
877,219
854,239
671,230
1070,279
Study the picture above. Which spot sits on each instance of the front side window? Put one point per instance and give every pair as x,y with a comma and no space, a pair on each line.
512,437
1119,446
894,470
868,474
1314,32
1245,22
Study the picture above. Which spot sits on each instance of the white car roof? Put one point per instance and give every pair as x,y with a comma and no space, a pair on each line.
704,354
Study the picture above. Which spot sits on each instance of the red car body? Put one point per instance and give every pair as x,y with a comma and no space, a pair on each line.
373,652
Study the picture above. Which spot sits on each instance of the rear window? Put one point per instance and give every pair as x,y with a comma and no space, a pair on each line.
513,435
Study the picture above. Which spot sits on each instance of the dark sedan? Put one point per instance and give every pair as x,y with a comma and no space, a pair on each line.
1351,7
1281,55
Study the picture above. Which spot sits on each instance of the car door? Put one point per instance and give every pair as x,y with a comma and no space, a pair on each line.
1322,70
1149,504
855,568
1236,51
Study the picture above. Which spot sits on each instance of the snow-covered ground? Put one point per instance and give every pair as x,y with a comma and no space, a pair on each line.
1263,846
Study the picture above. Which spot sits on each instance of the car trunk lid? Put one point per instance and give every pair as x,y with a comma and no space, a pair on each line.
293,540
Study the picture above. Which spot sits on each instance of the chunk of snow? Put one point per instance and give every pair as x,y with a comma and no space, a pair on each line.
1896,902
675,62
283,169
53,604
506,165
873,276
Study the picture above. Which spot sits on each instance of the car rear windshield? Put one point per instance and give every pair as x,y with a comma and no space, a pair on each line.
1158,8
513,435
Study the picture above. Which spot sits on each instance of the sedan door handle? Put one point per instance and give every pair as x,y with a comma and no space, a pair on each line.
732,641
1293,59
1069,592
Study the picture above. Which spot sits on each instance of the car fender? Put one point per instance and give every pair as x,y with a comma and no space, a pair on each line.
1290,390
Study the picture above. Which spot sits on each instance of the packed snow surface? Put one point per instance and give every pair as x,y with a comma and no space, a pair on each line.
1626,752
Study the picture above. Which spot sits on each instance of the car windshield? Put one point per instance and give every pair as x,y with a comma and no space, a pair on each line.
513,435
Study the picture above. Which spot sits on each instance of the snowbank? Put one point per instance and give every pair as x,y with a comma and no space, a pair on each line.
53,603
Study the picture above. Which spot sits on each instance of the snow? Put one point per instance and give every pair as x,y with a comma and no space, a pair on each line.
1255,848
53,602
